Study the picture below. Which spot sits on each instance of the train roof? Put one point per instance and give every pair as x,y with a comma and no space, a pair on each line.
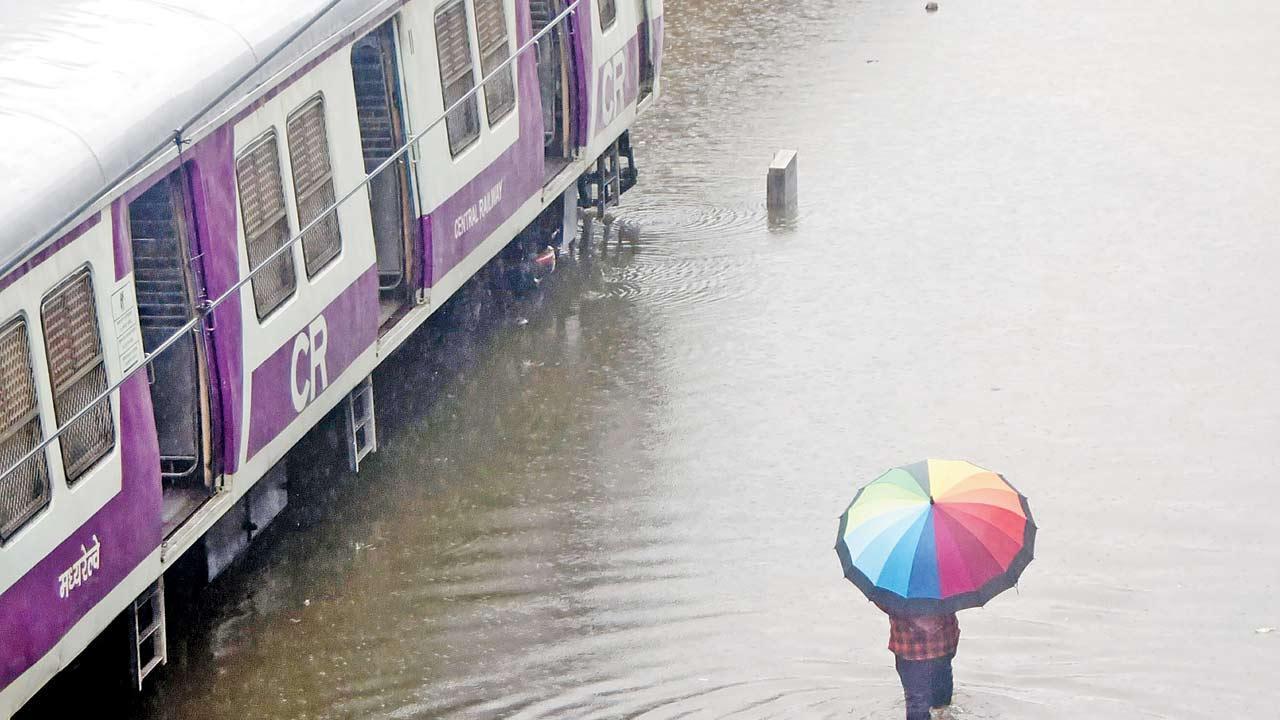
88,88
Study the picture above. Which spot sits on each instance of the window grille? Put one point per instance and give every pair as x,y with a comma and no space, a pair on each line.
456,77
491,29
313,184
77,373
266,226
25,491
608,13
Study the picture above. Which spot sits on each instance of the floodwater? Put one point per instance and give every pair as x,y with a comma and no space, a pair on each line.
1041,236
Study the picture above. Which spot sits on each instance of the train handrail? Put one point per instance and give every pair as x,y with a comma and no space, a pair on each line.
205,309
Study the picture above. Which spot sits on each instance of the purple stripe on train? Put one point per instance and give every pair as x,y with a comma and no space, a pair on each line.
216,267
304,367
213,193
42,606
426,277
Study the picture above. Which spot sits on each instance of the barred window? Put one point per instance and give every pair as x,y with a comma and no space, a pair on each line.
266,226
313,184
77,373
608,13
491,29
456,77
25,491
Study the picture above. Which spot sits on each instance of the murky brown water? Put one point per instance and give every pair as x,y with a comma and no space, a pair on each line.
1038,235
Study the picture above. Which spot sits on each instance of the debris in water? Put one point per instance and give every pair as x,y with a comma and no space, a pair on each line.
931,7
1265,630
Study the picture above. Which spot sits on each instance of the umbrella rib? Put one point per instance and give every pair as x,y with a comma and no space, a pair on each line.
863,547
913,532
874,528
956,526
959,508
958,563
985,480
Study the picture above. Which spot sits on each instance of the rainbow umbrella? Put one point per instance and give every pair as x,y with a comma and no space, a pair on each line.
935,537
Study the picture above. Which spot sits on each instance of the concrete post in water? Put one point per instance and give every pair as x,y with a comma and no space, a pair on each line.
783,185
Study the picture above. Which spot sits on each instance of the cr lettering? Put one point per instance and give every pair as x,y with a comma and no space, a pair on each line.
307,364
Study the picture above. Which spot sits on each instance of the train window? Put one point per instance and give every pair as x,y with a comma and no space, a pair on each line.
608,13
77,373
456,77
266,226
491,29
313,184
24,491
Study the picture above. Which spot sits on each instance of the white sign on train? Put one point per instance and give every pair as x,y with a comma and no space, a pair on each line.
472,216
124,313
81,570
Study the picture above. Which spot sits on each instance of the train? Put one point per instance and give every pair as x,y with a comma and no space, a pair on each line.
217,220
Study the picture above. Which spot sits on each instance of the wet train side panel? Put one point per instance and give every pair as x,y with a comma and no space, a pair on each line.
273,361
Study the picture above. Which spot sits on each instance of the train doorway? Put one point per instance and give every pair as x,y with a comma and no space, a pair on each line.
556,85
169,285
380,108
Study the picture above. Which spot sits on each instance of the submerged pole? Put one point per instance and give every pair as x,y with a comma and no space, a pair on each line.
782,184
588,225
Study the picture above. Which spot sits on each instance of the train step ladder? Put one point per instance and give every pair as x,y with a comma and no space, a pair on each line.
628,174
602,187
362,429
610,168
150,649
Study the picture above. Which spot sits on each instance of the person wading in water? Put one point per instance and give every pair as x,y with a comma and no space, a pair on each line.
923,541
923,646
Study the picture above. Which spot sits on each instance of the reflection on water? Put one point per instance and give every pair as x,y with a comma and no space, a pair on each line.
1036,235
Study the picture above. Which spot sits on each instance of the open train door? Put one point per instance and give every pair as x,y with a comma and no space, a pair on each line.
557,84
375,69
169,282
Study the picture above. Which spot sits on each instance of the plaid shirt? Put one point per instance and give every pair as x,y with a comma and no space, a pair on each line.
923,637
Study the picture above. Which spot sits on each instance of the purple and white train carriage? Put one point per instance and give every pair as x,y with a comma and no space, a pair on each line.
179,303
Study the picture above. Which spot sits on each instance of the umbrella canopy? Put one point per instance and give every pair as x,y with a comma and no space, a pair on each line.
936,537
